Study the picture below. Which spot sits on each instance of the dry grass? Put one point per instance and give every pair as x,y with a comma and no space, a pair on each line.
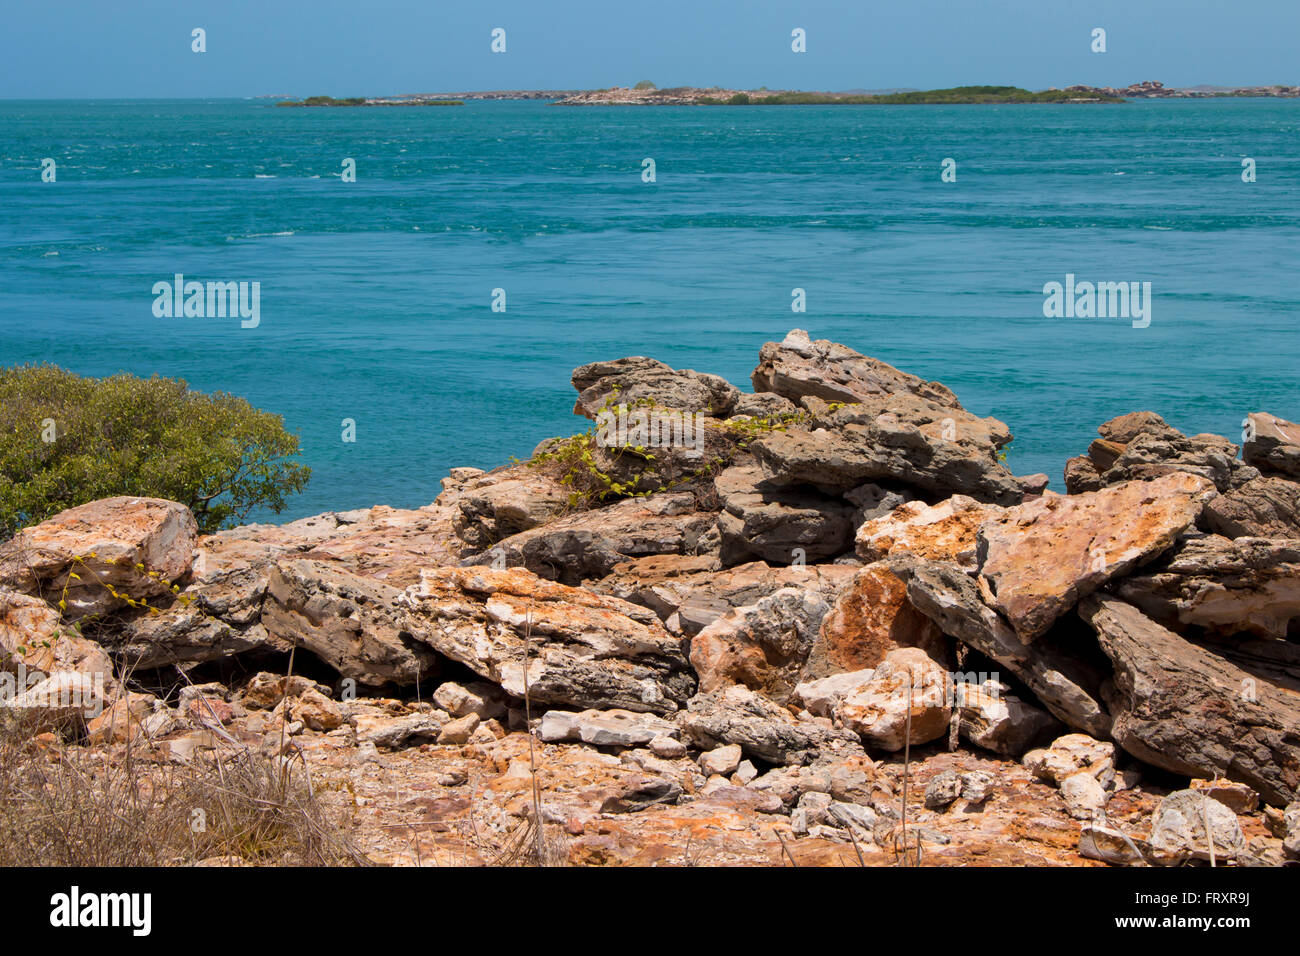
67,805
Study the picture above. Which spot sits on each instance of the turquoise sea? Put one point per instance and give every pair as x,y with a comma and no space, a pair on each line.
376,295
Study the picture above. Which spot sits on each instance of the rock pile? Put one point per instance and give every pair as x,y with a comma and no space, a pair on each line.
836,569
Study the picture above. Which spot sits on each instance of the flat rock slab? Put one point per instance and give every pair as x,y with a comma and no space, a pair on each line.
1039,558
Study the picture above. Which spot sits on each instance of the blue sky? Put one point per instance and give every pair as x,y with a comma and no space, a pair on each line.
141,48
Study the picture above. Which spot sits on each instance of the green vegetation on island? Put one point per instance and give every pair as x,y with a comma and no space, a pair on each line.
66,439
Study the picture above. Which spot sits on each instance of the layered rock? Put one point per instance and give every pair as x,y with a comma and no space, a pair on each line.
766,521
901,439
583,649
634,379
798,367
1179,707
590,544
1246,586
1062,679
1142,446
689,593
1263,508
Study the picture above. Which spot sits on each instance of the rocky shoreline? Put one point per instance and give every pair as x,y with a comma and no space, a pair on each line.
830,627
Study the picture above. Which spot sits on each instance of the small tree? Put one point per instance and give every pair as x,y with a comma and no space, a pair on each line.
645,85
66,440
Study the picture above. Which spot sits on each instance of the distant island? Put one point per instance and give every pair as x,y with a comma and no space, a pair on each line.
364,101
647,94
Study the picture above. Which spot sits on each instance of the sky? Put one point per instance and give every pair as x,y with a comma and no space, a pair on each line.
142,48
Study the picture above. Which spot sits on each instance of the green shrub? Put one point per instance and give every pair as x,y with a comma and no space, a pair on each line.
125,435
644,85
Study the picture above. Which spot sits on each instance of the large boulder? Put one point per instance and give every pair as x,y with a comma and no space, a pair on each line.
766,521
584,650
100,556
1261,508
763,729
1272,444
1250,585
1037,559
498,504
907,692
1062,678
763,646
900,439
1180,707
947,531
689,593
590,544
34,640
798,367
358,626
639,379
870,618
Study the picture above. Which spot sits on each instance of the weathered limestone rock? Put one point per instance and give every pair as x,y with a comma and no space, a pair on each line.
1184,709
605,728
763,520
1291,831
764,405
1250,585
1262,508
763,646
500,503
1142,446
356,625
721,760
1084,797
1039,558
589,544
138,547
478,697
636,378
1237,797
943,532
1064,682
1273,444
587,651
899,439
907,687
823,695
33,638
1190,825
798,367
871,617
689,593
64,700
996,720
1072,754
764,730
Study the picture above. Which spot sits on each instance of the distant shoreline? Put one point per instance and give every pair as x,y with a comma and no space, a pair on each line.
648,95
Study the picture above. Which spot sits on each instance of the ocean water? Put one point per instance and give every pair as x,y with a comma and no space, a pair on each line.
376,295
